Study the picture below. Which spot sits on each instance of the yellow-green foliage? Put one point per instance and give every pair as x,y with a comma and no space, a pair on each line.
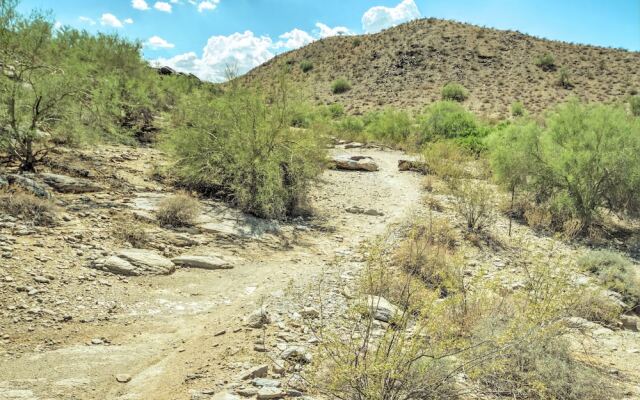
242,146
454,92
178,210
340,85
28,208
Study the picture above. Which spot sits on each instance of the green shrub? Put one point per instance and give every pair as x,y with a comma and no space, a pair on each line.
474,204
340,85
28,208
178,210
306,65
449,120
584,159
564,79
454,92
517,109
350,126
634,104
241,146
546,62
389,125
615,273
335,110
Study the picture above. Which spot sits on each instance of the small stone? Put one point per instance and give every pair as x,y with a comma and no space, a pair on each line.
310,313
270,393
123,378
96,341
258,318
264,382
259,371
41,279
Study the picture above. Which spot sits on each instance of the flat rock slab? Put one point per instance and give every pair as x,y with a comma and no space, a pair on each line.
67,184
203,262
135,262
355,163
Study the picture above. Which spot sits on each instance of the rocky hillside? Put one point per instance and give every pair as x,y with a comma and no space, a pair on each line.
407,66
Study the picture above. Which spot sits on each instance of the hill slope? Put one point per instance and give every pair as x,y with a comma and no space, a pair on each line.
407,66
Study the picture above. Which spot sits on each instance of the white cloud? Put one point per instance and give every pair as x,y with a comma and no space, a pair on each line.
162,6
379,17
110,20
156,42
128,21
242,50
326,31
294,39
87,20
139,5
208,5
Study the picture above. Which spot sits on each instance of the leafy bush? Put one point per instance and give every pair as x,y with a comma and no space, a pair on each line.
546,62
306,65
350,125
473,204
389,125
517,109
564,79
616,273
340,85
634,104
454,92
446,160
584,159
241,146
335,110
178,210
28,208
449,120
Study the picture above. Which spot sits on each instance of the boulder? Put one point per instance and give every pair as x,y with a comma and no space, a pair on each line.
630,322
258,318
355,163
67,184
28,184
203,262
297,354
381,309
135,262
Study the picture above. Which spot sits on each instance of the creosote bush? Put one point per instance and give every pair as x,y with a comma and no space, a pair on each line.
450,120
546,62
564,79
454,92
474,204
28,208
340,85
133,232
178,210
242,146
306,65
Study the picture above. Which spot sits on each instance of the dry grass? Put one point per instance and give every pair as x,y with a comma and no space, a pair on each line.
408,65
28,208
178,210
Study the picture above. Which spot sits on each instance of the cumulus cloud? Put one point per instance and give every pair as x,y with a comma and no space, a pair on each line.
110,20
293,39
326,31
87,20
139,5
128,21
208,5
156,42
379,17
241,50
162,6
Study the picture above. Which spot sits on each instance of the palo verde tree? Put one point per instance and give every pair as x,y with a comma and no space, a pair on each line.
586,158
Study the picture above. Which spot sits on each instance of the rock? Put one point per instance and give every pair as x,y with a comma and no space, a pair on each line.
203,262
259,371
247,392
67,184
135,262
41,279
29,185
630,322
123,378
225,396
355,163
358,210
258,318
265,382
381,309
415,166
353,145
270,393
296,354
310,313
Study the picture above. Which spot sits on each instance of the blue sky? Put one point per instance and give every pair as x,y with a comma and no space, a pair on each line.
202,36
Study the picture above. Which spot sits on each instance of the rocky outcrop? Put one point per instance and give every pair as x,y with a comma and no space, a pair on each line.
135,262
381,308
203,262
355,163
67,184
28,184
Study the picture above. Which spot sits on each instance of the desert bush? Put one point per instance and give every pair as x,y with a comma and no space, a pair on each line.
178,210
634,104
449,120
340,85
389,125
546,62
28,208
583,159
133,233
350,126
564,78
596,306
446,160
615,273
474,204
306,65
241,146
454,92
517,109
335,110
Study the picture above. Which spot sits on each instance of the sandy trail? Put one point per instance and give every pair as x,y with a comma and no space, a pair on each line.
166,337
